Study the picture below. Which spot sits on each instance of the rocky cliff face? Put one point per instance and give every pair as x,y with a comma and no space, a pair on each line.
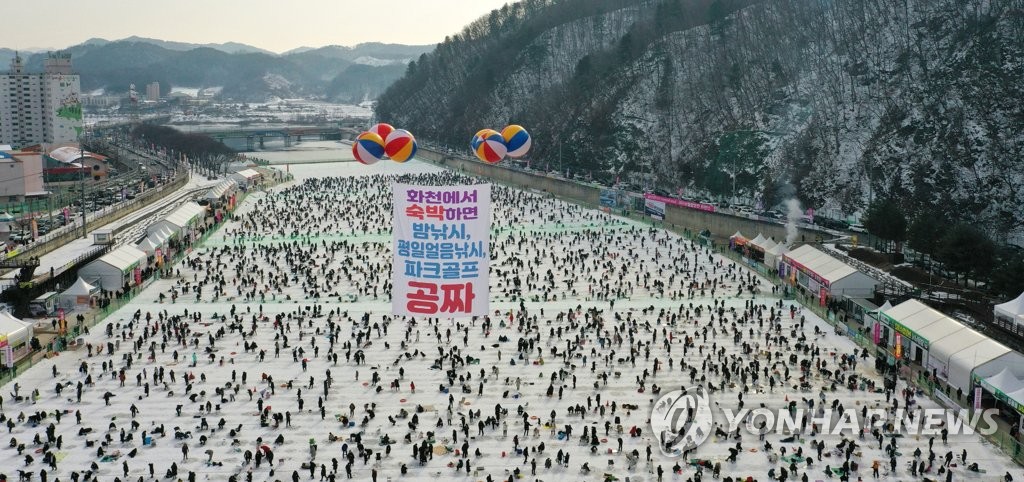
837,103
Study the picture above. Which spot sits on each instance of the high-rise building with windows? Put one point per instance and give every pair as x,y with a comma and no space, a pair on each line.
153,92
40,108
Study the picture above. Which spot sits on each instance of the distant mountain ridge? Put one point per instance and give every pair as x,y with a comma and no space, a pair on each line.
246,73
227,47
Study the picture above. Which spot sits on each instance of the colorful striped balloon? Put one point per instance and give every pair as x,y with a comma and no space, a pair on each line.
517,140
368,148
400,145
491,147
383,130
478,138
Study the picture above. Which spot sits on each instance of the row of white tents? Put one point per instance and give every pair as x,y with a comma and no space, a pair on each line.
809,267
221,190
123,266
772,250
952,351
117,268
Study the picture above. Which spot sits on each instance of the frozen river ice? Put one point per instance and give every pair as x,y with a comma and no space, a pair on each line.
583,306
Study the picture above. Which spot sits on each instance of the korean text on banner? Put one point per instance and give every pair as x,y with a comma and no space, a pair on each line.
441,250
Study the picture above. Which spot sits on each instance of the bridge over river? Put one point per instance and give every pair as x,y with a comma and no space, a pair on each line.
256,136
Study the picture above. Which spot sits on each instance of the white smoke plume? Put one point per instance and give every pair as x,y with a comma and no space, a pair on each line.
793,214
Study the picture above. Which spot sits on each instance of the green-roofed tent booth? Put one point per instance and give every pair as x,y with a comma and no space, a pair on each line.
1006,386
1004,380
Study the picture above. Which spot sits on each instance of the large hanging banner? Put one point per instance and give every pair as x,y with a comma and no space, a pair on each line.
441,250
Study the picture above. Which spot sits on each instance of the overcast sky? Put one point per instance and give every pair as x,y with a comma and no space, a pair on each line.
275,25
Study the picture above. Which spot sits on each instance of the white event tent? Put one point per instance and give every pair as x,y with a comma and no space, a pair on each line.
114,269
78,296
246,177
774,255
815,270
179,220
954,352
224,188
15,336
1011,313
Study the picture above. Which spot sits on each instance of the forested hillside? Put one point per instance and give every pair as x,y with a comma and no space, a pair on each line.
837,103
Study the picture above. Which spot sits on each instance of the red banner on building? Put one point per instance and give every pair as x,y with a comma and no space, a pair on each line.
681,203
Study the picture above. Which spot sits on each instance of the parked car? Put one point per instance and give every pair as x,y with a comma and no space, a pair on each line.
37,311
829,223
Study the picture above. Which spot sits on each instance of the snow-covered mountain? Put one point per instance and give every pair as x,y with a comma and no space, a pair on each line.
246,73
835,102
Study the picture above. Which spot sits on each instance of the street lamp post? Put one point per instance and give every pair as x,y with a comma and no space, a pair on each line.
648,178
559,156
81,160
734,179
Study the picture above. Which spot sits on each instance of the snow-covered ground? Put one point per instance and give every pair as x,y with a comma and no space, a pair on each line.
330,284
311,151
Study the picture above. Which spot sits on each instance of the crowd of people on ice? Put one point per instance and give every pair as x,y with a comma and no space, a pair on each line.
272,352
